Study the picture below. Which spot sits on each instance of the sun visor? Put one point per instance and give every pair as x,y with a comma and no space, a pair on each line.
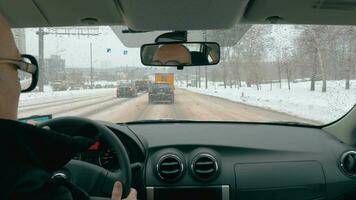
333,12
140,38
224,37
20,13
79,12
182,14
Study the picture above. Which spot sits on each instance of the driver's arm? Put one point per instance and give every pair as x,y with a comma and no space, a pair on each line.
9,93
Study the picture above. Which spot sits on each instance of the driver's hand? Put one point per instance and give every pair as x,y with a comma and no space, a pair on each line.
117,193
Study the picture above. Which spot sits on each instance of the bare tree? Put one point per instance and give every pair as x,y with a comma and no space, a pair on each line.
351,49
271,54
323,38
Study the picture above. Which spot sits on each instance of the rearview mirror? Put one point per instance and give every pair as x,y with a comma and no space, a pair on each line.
180,54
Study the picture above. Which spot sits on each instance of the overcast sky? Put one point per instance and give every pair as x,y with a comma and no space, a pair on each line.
76,49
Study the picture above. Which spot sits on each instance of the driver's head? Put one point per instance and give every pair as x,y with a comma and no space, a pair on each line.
172,54
9,84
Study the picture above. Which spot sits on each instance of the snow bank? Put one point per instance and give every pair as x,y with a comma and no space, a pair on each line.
39,97
299,101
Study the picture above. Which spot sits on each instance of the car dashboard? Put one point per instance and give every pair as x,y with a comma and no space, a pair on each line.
236,161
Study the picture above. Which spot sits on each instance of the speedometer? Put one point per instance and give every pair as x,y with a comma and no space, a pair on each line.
108,160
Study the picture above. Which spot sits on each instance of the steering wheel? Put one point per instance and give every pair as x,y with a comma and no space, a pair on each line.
93,179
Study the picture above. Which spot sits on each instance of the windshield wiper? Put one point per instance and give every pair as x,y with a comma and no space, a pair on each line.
291,123
159,121
288,123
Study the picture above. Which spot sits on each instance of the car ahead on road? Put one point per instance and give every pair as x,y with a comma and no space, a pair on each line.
126,90
142,85
244,134
161,93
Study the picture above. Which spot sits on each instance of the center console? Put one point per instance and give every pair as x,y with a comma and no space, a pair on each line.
221,192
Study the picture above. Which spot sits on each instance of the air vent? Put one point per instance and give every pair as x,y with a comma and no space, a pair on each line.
204,167
170,167
348,163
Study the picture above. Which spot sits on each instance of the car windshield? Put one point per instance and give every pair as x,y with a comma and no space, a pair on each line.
267,73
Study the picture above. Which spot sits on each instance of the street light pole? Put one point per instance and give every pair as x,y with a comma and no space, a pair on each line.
206,77
206,67
41,59
91,65
199,69
196,77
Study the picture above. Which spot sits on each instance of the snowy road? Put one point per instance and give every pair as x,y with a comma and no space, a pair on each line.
188,105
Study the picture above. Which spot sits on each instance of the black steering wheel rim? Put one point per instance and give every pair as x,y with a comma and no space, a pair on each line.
69,125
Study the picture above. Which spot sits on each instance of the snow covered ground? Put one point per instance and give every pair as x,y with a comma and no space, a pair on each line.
299,101
48,95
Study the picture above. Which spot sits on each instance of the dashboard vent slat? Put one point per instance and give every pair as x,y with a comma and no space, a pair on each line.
208,171
205,163
169,168
175,171
167,164
204,167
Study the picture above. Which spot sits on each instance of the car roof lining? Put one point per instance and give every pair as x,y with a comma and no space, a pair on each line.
176,15
332,12
54,13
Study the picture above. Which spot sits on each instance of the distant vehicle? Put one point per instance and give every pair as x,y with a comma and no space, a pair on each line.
165,78
86,86
75,88
142,85
110,86
161,93
125,90
98,86
59,86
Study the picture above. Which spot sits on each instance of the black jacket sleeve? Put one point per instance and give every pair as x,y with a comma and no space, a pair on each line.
29,157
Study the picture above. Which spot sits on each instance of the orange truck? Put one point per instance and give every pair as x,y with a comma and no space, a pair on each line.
165,78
